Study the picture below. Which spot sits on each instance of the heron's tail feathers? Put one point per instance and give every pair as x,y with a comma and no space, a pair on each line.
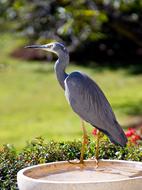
118,136
115,134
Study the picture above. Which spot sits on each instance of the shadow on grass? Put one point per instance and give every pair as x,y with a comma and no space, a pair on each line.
132,69
135,69
131,108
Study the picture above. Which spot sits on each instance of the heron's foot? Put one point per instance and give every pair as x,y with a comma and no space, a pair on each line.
96,160
76,161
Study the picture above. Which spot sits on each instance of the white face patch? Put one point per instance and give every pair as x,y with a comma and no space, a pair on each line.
50,47
56,48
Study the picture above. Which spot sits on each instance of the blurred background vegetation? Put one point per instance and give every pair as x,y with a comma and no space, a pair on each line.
104,38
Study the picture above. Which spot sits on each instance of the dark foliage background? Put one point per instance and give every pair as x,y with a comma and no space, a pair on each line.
111,29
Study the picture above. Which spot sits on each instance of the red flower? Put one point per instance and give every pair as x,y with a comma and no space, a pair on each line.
135,138
94,132
130,132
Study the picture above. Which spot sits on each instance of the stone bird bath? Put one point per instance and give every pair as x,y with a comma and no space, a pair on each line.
110,175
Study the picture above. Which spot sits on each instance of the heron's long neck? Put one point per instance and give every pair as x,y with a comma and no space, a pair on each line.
60,67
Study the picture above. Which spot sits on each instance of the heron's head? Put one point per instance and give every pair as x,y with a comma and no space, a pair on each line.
54,47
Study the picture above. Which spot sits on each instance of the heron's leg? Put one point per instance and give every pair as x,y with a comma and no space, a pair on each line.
84,142
97,147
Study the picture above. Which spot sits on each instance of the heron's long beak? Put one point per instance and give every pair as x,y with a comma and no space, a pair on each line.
37,46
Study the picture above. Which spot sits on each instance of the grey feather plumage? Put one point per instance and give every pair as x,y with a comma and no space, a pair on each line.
90,103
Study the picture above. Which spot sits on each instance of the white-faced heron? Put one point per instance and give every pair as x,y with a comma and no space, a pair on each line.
85,98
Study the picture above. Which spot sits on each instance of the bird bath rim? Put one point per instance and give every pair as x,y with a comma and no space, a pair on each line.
22,173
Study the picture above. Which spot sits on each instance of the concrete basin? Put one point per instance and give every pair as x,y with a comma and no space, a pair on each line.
110,175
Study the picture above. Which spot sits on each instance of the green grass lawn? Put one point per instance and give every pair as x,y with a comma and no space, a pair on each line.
33,104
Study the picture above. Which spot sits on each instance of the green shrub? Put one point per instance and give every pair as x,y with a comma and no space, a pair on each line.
38,151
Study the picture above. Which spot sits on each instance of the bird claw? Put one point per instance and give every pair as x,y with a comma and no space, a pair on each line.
76,161
96,160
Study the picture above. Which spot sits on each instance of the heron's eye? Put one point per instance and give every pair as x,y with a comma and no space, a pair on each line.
50,46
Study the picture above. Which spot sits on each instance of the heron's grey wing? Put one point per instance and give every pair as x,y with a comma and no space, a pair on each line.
89,102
